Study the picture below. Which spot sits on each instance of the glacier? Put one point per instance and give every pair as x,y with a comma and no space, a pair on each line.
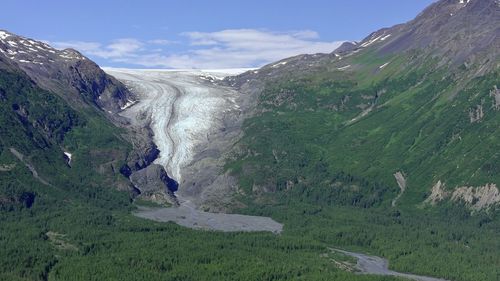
183,106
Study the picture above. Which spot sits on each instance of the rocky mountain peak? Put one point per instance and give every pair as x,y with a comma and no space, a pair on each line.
25,50
452,7
457,31
66,72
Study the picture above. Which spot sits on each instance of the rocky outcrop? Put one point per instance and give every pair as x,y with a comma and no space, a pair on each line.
22,200
495,94
144,151
476,114
475,198
438,194
154,184
401,181
346,47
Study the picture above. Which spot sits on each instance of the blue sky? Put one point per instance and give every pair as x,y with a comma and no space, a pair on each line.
201,34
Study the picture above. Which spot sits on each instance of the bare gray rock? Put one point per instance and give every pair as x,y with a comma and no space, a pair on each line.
401,181
495,94
188,216
154,183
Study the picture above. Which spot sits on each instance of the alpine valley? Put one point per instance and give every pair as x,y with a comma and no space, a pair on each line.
377,161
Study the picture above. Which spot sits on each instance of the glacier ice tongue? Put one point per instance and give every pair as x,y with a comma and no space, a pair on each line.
183,108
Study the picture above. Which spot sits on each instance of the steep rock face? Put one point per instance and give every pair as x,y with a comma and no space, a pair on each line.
68,73
154,184
475,198
144,150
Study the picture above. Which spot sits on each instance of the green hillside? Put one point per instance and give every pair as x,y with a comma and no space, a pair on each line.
319,130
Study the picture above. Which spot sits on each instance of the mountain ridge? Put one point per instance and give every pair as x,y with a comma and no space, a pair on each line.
434,32
66,72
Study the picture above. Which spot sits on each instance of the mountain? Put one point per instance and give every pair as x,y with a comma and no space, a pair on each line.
59,113
411,108
460,31
67,73
454,31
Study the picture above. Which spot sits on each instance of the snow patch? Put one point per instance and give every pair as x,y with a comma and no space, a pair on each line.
68,156
279,64
385,37
67,57
464,2
210,77
127,105
4,35
371,41
344,67
384,65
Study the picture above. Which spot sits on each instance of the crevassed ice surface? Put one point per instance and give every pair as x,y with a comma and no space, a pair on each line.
184,107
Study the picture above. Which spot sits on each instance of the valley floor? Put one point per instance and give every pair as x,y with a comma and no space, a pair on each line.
188,216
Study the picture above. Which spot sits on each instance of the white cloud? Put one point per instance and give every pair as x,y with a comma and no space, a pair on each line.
125,47
229,48
161,42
